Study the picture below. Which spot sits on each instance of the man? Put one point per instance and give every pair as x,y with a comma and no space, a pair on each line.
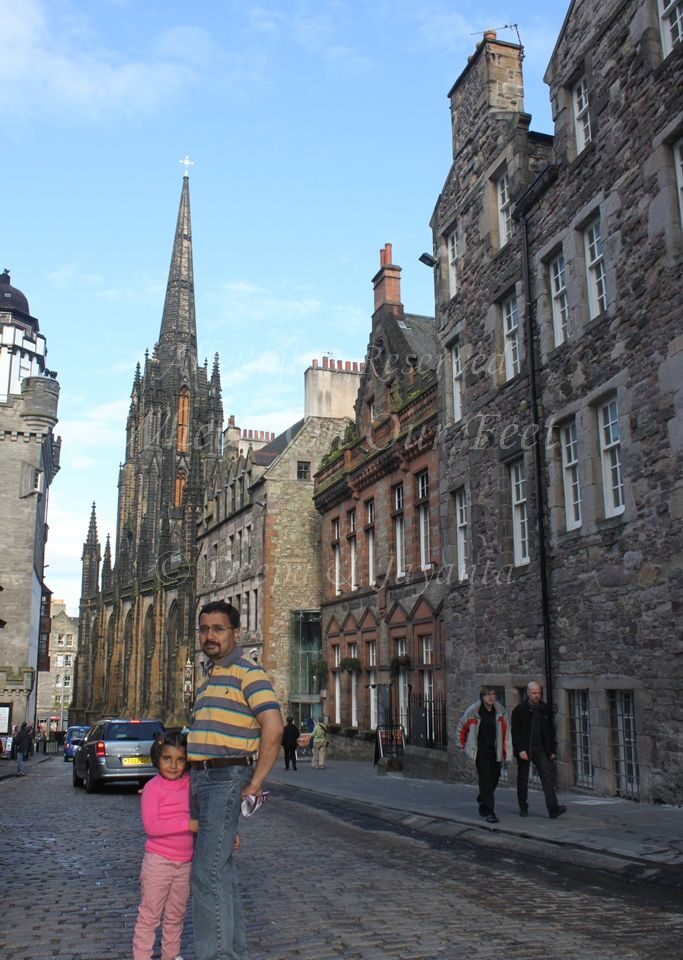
533,741
235,717
484,735
21,744
290,735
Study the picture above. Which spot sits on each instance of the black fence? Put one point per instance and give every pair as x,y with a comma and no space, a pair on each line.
425,722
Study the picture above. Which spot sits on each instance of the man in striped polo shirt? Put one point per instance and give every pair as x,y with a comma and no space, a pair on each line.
232,745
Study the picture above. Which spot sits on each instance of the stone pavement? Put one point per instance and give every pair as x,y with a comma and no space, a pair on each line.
631,840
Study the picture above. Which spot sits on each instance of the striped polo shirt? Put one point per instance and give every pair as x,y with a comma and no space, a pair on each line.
225,712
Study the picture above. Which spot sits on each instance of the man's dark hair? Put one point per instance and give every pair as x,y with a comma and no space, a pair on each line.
222,606
486,688
172,739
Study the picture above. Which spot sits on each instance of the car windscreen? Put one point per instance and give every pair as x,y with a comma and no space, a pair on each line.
76,733
132,731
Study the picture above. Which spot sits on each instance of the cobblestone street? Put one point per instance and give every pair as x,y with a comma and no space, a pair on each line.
316,887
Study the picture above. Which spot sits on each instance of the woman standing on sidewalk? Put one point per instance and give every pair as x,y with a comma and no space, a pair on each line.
319,746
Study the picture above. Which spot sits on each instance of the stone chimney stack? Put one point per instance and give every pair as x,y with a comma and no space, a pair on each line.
387,282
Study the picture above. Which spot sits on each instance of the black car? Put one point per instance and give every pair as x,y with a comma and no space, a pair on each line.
116,750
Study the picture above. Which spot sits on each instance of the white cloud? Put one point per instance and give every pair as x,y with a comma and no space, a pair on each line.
56,67
242,302
97,428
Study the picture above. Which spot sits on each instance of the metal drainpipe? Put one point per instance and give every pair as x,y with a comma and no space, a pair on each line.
538,463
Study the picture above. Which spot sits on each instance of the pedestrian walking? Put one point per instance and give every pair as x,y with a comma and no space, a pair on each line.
167,861
533,741
235,717
290,735
484,735
319,745
21,744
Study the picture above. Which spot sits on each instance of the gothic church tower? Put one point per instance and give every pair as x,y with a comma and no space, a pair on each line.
137,626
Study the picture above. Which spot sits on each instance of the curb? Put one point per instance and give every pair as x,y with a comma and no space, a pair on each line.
632,869
34,759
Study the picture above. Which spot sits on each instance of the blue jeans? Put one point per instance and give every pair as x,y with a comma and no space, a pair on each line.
20,761
217,918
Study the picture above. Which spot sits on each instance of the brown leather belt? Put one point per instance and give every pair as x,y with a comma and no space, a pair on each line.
222,762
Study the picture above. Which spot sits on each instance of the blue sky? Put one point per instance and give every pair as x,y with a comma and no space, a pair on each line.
319,130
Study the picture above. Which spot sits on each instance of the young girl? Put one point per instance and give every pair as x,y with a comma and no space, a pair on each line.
165,874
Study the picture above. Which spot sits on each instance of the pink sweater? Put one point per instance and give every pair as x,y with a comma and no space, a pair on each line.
165,809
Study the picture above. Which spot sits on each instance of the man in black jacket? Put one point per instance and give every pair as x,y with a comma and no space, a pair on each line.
290,735
533,741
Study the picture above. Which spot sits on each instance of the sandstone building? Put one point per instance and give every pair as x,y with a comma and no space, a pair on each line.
558,291
29,460
56,683
259,537
137,614
378,494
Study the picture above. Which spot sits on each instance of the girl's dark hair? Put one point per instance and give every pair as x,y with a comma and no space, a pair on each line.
171,739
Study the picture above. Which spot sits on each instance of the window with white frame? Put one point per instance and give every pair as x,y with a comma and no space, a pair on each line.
337,684
399,536
520,522
427,649
558,299
456,372
462,542
422,499
580,737
582,120
67,680
370,539
504,209
336,556
671,22
678,164
510,316
372,684
372,653
570,475
353,652
353,562
351,521
60,660
60,640
452,245
595,268
610,457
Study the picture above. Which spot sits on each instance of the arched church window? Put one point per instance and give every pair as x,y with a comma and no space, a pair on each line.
183,432
179,489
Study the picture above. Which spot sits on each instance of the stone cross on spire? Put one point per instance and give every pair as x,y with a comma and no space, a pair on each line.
187,163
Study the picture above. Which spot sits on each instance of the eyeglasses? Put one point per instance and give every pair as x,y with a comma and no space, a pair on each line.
216,628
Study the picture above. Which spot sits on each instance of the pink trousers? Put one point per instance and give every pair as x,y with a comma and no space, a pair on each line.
164,889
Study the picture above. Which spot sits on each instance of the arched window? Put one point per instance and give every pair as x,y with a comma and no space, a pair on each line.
183,431
179,489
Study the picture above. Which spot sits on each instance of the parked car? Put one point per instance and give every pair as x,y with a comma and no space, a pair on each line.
72,741
116,750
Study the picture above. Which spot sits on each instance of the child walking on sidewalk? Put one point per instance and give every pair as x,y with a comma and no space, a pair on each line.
165,873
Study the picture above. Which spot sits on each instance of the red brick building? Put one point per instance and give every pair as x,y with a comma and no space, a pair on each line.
379,496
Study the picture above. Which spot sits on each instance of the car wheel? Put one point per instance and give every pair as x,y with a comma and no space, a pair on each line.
90,784
76,780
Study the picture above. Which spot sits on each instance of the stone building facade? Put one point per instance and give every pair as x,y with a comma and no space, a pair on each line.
259,539
56,684
29,460
137,613
378,494
558,290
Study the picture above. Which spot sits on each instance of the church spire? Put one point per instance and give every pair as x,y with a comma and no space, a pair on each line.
92,527
90,559
178,323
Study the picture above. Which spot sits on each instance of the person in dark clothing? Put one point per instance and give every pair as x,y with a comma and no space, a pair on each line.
533,741
21,742
290,735
484,735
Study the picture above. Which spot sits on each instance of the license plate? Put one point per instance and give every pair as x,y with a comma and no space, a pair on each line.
135,761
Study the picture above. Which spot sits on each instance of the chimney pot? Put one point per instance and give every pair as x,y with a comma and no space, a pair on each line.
490,34
325,362
354,366
314,364
347,365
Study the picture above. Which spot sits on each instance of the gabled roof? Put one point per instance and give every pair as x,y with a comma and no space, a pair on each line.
266,455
